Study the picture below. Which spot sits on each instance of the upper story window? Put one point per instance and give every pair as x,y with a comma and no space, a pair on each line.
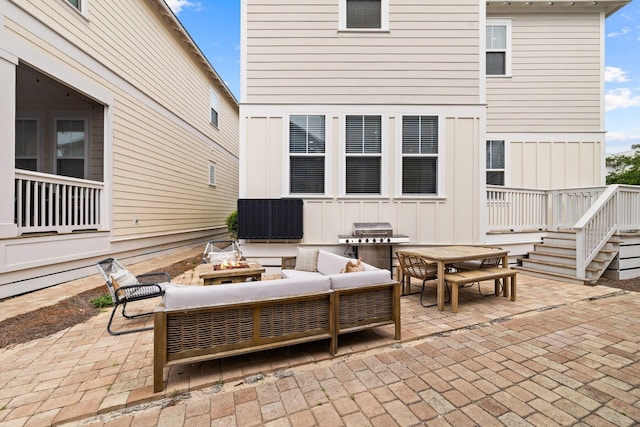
495,162
363,155
306,154
78,4
498,49
214,108
419,155
364,14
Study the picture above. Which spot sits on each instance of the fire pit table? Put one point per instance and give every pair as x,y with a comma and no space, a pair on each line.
236,274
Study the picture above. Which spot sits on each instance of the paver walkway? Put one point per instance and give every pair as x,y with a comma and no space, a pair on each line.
450,366
575,365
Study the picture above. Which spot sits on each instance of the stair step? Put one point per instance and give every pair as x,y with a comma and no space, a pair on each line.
556,267
551,254
555,276
568,257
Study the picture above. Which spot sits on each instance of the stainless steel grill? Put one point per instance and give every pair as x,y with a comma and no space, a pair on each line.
372,242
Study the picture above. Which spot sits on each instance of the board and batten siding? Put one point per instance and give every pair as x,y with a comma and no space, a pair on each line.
295,54
448,219
546,164
556,74
163,140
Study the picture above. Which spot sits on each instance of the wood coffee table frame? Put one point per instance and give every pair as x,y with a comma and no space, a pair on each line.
231,275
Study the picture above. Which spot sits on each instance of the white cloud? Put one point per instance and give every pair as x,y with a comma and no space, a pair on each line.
615,74
618,142
622,32
620,98
177,5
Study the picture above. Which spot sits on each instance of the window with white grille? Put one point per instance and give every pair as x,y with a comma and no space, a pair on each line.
363,146
306,154
420,155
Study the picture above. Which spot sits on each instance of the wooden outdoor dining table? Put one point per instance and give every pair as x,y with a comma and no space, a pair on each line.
443,255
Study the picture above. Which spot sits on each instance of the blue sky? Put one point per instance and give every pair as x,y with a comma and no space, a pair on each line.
215,26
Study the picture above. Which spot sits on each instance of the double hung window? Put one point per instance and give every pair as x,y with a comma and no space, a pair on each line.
215,106
495,162
498,52
306,154
71,145
419,155
363,154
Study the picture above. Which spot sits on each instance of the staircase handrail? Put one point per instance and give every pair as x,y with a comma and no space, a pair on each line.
595,228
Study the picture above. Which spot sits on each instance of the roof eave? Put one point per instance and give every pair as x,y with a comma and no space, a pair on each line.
173,20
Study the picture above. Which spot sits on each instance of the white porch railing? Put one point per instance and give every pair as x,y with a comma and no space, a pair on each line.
52,203
616,210
517,209
595,213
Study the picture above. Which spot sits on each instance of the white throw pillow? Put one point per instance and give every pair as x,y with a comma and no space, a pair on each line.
307,260
123,278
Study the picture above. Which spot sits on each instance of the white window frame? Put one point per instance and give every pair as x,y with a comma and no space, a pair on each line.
289,154
501,22
383,158
212,174
87,141
82,6
214,103
384,19
437,156
504,161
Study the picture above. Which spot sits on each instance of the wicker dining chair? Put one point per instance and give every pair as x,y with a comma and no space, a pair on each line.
125,287
417,267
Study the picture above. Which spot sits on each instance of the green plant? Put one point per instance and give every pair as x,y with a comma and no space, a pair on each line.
102,301
232,224
625,169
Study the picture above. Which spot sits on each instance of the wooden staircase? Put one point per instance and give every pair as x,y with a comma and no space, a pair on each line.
555,259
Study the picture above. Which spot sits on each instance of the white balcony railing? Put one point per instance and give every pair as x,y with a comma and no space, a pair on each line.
52,203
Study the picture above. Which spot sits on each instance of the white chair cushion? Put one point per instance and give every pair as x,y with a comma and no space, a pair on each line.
123,278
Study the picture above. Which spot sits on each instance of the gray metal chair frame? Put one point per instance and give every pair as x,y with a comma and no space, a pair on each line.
148,287
485,263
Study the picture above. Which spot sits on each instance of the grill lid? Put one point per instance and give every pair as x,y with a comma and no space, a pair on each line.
362,229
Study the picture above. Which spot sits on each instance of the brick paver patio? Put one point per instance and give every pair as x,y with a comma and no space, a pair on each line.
561,355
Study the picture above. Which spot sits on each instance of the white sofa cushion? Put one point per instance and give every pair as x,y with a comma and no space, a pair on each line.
330,263
298,274
360,278
197,296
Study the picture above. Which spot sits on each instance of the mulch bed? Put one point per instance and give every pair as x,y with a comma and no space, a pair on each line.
71,311
77,309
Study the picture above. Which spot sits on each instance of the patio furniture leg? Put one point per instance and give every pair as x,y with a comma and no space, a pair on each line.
129,331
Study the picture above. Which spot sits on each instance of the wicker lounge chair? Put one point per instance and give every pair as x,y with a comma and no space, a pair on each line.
125,288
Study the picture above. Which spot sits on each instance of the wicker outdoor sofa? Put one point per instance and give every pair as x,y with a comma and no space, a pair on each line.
198,323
